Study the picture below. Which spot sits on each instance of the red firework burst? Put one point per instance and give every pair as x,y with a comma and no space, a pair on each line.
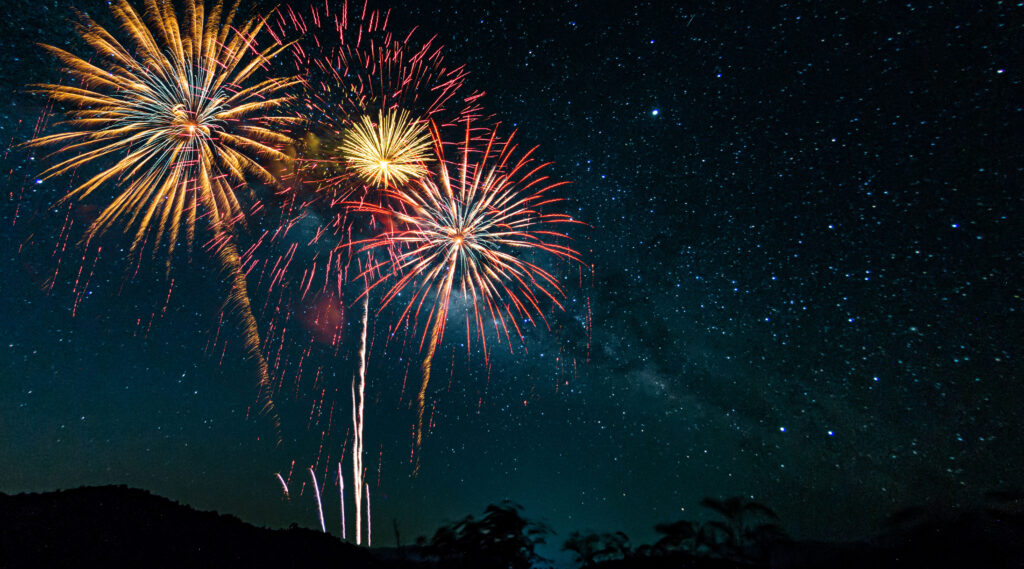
476,234
355,67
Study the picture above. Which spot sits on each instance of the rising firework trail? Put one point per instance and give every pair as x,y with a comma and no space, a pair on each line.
177,117
369,520
358,408
319,504
473,234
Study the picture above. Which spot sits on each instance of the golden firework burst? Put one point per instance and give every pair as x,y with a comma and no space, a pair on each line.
176,117
173,116
388,152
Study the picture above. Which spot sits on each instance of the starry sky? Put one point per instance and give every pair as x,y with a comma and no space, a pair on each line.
805,226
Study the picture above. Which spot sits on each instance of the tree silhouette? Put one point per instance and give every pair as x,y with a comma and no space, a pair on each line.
716,539
592,548
679,535
744,534
501,538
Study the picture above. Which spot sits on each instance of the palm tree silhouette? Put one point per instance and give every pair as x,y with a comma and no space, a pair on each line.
744,534
677,535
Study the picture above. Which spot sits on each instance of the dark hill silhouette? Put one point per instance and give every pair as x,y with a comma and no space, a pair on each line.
116,526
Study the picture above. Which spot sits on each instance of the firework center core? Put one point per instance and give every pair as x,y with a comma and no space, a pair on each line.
188,122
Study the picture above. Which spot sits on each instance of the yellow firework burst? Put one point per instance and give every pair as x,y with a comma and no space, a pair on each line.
388,152
174,116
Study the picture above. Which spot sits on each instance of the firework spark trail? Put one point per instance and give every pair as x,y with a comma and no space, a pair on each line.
239,296
341,498
319,505
476,229
284,485
358,408
421,398
380,462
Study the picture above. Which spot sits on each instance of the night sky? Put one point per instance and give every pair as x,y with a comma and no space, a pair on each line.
805,226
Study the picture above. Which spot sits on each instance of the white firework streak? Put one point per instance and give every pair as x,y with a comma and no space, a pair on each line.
369,526
358,407
319,506
284,485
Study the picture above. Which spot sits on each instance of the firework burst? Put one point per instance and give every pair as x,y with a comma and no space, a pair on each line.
176,118
175,113
355,64
473,234
357,71
390,151
367,97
